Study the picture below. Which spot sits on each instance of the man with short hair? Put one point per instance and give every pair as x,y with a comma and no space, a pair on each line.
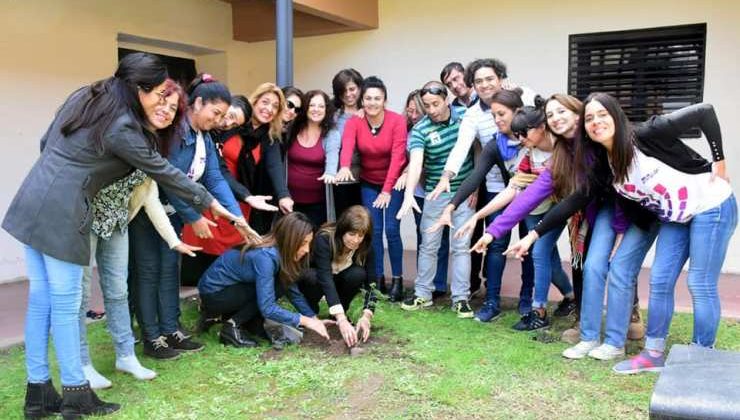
488,76
453,76
429,145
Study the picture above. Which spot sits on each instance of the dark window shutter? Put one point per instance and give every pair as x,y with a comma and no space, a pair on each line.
650,71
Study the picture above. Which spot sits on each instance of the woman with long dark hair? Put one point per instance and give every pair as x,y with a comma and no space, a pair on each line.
344,262
346,86
157,266
528,125
243,286
97,137
311,157
380,139
690,196
114,206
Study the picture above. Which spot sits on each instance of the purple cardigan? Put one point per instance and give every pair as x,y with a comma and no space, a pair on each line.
537,192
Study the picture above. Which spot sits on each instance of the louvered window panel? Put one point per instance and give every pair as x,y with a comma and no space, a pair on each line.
651,71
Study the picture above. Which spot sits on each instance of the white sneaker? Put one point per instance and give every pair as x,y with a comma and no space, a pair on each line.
96,380
130,364
580,350
606,352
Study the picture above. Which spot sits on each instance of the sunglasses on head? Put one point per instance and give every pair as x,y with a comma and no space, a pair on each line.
434,90
294,107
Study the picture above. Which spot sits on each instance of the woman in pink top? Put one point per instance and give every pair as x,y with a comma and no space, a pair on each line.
380,138
307,151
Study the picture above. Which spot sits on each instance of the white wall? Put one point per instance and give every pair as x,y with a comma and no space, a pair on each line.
417,38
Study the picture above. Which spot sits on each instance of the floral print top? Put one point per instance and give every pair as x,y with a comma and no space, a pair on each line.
110,205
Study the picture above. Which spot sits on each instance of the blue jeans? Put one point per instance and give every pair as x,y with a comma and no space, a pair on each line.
54,294
703,241
496,262
621,273
387,218
158,285
430,243
440,279
112,258
547,265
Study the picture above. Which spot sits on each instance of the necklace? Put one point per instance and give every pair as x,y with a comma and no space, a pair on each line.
374,130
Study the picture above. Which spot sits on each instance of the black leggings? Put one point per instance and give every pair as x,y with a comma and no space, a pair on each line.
348,283
237,302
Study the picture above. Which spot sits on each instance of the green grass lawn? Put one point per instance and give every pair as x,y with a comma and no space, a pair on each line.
426,364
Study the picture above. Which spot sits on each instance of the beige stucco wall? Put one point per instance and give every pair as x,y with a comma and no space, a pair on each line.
50,47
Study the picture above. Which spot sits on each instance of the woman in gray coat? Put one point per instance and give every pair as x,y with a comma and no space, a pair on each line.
99,135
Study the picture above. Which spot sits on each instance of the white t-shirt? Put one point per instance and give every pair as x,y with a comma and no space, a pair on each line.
673,195
198,166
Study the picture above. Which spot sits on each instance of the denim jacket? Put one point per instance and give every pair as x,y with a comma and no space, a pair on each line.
181,155
260,266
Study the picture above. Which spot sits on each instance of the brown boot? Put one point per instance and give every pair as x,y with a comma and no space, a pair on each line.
636,330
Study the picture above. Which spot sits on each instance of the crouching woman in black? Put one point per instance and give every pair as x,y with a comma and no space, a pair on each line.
343,259
244,285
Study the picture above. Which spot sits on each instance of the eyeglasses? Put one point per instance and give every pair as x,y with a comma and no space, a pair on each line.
294,107
434,90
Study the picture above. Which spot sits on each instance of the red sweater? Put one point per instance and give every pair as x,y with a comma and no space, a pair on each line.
382,157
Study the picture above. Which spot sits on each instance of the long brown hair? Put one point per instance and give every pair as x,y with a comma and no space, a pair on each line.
562,167
354,219
622,152
287,235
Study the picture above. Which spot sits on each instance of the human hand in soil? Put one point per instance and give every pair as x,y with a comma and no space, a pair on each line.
316,325
363,328
348,332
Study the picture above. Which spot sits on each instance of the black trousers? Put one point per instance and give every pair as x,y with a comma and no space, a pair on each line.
237,302
192,268
347,282
346,196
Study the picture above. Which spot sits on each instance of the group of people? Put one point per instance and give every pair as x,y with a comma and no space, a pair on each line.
295,194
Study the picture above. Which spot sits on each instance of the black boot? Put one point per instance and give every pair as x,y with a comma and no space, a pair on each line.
381,285
41,400
231,335
78,401
396,292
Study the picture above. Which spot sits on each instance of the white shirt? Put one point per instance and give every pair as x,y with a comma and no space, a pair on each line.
673,195
198,166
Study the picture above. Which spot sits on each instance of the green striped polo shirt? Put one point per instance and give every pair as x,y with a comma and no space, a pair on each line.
437,140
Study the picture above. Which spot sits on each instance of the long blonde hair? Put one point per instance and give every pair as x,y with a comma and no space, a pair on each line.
276,125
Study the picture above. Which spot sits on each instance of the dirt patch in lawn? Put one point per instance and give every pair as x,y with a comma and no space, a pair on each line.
379,342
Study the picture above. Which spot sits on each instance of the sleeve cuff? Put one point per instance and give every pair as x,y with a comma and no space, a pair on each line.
336,310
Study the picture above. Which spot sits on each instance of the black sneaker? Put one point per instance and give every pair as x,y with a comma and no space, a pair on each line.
566,307
462,309
159,349
182,342
531,322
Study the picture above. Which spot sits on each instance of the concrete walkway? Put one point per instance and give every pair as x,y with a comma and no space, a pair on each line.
14,296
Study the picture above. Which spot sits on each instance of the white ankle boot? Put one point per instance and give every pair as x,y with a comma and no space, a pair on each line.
130,364
97,381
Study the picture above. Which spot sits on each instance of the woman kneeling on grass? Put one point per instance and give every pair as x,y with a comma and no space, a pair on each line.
242,286
345,262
